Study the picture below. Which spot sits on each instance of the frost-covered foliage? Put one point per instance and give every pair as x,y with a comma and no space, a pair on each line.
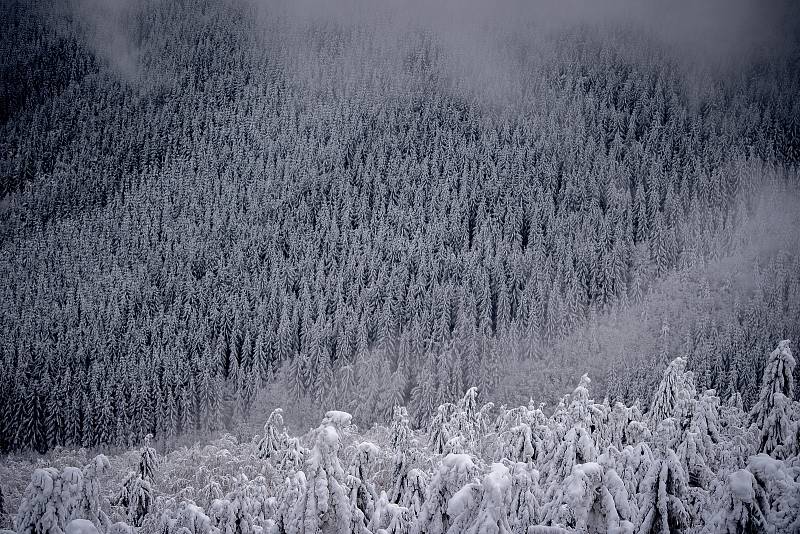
491,514
592,499
187,518
53,498
524,509
674,393
147,461
662,505
390,518
245,509
363,497
772,413
197,198
324,504
518,471
740,506
2,506
454,473
135,497
81,526
49,501
274,439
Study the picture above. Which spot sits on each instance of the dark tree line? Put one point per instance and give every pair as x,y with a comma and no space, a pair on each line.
171,243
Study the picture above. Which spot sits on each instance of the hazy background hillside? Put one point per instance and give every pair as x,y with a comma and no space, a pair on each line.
207,203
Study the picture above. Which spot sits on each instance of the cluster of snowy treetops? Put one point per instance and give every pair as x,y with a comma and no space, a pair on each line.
692,463
174,235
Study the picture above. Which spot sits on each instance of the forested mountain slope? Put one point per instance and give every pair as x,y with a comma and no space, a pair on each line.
226,193
691,463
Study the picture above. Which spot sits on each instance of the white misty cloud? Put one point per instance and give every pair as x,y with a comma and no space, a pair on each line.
107,32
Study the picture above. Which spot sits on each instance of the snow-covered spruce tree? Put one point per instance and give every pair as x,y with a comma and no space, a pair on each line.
637,431
524,508
81,526
600,414
779,481
673,394
592,499
293,487
52,499
188,518
470,421
462,508
706,422
323,507
439,429
633,466
120,527
245,509
662,507
458,444
400,430
148,461
518,445
577,447
407,483
667,434
135,497
71,483
454,472
508,418
740,506
274,439
580,407
618,420
401,465
209,493
362,492
136,494
91,505
491,511
49,502
389,518
411,494
738,436
770,414
693,454
291,457
534,415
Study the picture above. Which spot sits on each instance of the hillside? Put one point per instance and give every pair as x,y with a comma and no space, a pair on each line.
400,232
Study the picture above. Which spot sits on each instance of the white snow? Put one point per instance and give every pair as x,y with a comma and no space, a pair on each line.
741,484
81,526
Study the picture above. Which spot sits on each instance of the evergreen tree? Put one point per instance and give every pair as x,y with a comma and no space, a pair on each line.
740,506
135,498
524,508
455,472
662,507
593,499
673,395
324,505
769,414
274,439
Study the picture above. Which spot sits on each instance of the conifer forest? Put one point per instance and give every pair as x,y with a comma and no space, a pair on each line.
399,266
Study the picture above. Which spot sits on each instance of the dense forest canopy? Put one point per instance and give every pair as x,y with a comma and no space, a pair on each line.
688,464
336,267
203,200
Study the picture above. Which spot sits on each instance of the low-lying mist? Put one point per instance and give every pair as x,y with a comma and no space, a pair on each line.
708,304
484,47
